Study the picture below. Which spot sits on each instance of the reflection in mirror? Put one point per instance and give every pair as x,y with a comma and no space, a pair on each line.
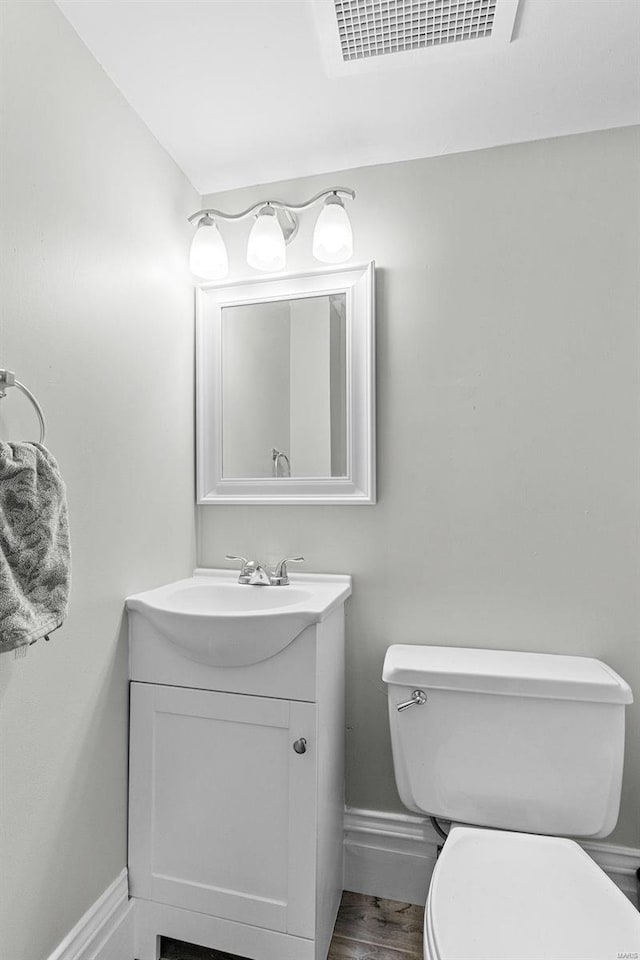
284,388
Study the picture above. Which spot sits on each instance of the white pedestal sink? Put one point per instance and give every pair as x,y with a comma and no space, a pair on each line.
219,622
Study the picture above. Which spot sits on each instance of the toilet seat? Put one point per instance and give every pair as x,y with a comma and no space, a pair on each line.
498,895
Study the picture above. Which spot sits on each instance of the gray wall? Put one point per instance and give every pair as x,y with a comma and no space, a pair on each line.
97,318
508,422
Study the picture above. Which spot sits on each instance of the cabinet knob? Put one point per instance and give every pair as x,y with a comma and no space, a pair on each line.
300,746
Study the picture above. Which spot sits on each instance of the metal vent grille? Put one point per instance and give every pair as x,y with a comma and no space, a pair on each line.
369,28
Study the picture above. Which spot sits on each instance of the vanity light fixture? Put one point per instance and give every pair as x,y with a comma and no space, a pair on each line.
208,258
276,224
332,237
266,246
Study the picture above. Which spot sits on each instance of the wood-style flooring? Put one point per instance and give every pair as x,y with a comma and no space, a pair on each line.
367,928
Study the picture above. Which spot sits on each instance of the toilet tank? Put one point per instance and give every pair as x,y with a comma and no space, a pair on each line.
519,741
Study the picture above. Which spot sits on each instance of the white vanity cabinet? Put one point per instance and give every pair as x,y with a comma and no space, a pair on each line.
223,810
236,796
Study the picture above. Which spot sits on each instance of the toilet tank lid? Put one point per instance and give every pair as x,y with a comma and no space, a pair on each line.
544,675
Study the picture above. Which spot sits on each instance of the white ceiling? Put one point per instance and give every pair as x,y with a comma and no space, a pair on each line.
237,92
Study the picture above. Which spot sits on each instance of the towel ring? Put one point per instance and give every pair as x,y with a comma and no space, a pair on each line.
8,379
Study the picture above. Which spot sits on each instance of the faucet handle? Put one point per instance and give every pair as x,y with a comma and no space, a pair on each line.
244,573
280,576
243,560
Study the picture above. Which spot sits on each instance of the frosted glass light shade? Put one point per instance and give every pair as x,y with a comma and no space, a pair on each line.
333,237
266,247
208,257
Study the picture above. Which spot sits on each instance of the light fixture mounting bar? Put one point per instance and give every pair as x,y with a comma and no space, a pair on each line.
278,204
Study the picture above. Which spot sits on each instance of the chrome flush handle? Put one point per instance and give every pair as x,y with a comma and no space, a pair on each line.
418,697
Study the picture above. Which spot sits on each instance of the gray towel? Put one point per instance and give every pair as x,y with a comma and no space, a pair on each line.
35,556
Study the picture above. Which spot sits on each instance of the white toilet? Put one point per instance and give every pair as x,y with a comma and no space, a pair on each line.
526,747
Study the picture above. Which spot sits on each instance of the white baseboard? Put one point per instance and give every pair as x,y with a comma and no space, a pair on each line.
119,943
388,855
392,855
106,931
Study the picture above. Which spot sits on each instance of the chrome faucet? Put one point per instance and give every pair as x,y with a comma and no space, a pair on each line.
279,458
251,572
255,574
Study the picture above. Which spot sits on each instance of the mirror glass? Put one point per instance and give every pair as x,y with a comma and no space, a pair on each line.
284,388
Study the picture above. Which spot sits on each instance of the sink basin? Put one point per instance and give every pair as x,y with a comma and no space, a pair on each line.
217,621
213,599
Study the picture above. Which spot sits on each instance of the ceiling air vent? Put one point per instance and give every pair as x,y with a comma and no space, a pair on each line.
406,33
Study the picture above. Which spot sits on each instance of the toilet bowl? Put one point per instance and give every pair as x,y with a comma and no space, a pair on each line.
517,749
513,896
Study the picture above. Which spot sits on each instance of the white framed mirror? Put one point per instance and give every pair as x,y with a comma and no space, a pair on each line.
285,401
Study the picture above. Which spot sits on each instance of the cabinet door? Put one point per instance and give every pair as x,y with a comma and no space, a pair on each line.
222,809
